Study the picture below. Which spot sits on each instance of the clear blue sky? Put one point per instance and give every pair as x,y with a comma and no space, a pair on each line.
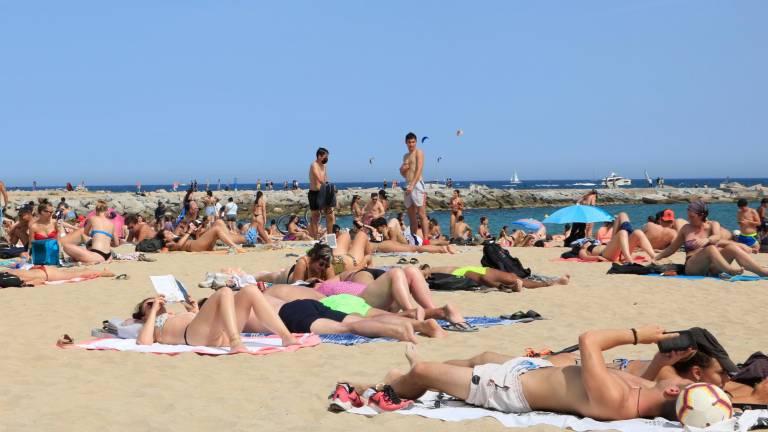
117,92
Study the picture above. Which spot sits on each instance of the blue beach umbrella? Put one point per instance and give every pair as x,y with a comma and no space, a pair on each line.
579,213
526,224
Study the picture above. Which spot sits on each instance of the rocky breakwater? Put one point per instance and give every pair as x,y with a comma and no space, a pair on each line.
438,198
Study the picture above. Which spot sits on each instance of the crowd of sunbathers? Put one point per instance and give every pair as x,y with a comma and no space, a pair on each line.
339,290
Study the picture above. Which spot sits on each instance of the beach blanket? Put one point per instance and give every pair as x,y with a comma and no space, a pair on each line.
456,410
738,278
353,339
258,345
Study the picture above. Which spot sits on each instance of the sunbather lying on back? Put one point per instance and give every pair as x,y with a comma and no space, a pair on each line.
491,277
204,242
389,245
590,390
38,275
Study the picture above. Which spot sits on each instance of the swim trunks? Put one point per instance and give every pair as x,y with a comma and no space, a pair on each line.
626,226
299,315
314,203
347,304
417,197
498,386
747,239
461,271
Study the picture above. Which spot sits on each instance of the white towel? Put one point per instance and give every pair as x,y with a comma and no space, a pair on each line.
256,345
458,411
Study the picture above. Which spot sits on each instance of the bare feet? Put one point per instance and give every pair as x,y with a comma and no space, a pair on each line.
736,270
517,287
563,280
412,354
406,333
420,313
451,314
236,346
431,328
290,340
106,273
451,249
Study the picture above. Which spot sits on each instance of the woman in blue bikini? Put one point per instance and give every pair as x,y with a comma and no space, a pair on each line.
98,235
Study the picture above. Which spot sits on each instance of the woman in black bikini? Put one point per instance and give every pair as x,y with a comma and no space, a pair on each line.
217,323
98,235
700,238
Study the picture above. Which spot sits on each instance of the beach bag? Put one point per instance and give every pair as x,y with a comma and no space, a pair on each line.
449,282
11,252
150,245
8,280
495,256
45,252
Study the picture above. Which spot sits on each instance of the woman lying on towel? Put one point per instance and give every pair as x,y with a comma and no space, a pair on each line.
203,243
624,241
705,254
384,244
491,277
39,275
323,263
217,323
303,310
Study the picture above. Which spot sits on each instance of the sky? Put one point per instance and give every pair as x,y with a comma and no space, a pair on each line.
156,92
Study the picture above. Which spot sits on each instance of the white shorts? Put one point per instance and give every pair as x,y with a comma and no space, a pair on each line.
417,197
497,386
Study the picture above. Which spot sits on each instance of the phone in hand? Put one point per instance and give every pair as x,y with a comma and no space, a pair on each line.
680,343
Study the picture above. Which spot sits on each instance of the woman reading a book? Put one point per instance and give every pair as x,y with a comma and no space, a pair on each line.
217,323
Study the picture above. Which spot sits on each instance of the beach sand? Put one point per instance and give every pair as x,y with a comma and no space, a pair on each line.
47,388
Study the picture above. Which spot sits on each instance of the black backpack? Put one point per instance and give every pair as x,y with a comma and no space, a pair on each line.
12,252
8,280
495,256
449,282
152,244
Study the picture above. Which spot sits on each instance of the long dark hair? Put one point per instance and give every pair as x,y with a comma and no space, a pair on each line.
138,311
259,194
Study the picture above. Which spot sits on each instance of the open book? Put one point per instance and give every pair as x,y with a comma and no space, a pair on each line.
170,287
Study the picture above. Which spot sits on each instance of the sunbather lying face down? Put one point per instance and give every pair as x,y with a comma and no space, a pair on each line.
590,390
305,315
38,275
217,323
491,277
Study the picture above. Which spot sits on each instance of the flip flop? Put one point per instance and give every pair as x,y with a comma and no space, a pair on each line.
122,276
515,316
414,261
145,258
288,255
65,341
461,327
533,314
402,261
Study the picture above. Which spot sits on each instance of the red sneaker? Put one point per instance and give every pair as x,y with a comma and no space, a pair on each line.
344,398
386,400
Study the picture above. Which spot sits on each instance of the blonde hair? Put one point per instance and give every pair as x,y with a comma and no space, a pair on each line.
101,206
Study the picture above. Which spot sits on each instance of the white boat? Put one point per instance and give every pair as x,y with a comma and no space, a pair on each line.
615,180
515,179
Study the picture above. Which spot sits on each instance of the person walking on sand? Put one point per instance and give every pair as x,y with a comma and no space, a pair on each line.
415,199
318,179
3,205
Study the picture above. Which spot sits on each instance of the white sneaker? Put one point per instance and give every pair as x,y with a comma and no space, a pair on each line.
219,280
208,282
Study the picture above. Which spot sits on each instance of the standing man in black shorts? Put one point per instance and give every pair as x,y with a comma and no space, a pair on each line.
320,194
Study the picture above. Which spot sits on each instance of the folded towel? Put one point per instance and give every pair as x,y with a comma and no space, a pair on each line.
456,410
256,345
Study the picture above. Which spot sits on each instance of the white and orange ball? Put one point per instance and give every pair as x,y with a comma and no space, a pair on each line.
701,405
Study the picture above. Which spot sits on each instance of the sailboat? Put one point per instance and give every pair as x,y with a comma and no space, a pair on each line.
515,179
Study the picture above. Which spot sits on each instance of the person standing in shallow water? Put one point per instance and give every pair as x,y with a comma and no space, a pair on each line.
415,199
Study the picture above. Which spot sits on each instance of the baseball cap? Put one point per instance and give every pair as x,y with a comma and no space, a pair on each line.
708,344
668,215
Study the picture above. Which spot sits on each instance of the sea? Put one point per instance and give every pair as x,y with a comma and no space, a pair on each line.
725,213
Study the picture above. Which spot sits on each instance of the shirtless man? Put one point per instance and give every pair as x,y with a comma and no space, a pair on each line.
590,198
521,385
457,209
749,222
20,230
461,229
415,199
318,177
762,212
373,210
138,229
3,206
661,232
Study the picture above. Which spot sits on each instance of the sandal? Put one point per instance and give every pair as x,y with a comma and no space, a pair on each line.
145,258
461,327
402,261
65,341
414,261
122,276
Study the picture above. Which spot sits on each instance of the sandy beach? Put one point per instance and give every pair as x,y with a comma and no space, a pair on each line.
47,388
